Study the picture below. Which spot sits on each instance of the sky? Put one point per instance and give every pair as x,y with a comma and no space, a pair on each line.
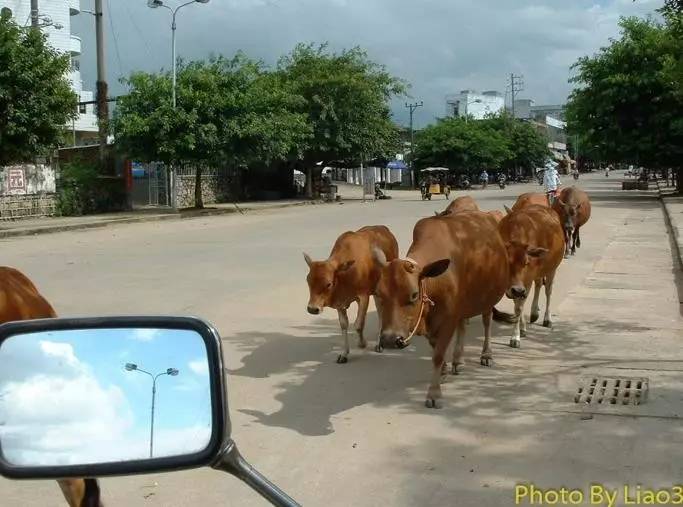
66,397
439,46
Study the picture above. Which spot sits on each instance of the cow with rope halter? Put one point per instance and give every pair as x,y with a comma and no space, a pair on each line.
456,268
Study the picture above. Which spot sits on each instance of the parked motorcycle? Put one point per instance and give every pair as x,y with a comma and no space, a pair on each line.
197,434
501,181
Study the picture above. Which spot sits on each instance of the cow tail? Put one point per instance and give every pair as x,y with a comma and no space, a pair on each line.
499,316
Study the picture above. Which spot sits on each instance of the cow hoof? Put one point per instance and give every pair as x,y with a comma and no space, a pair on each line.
486,361
342,359
457,368
379,348
533,317
548,324
362,344
515,343
432,403
401,343
522,333
566,256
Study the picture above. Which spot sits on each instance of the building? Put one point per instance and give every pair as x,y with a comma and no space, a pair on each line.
474,104
526,109
55,19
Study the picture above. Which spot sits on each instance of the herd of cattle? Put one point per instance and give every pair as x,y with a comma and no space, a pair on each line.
460,264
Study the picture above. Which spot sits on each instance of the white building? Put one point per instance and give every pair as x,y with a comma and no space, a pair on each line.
474,104
57,14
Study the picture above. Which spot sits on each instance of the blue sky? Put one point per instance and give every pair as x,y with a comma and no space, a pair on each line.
84,371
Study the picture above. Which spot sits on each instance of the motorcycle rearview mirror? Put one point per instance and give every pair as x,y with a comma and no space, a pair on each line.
110,396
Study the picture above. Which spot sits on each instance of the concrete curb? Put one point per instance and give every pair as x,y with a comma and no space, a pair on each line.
49,229
672,225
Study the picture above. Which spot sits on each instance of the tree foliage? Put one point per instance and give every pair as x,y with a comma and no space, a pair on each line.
36,100
346,101
493,143
627,105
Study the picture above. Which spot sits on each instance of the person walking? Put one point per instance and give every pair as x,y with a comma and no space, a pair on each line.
551,181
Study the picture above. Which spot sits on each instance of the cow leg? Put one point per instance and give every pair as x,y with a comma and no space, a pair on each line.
533,317
547,322
344,324
459,348
519,328
378,305
363,303
434,391
578,238
486,354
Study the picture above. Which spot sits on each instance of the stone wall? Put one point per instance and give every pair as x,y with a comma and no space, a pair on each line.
218,185
27,190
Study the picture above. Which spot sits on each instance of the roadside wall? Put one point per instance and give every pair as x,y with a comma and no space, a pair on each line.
27,190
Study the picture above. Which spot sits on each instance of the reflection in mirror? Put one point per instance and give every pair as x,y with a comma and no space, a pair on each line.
72,397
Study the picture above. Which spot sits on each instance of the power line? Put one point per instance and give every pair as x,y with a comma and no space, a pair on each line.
116,42
516,85
137,29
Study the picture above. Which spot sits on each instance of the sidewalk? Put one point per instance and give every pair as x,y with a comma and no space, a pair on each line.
47,225
673,210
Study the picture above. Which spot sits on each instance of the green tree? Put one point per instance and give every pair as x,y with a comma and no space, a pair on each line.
528,148
346,101
36,100
229,112
462,146
627,106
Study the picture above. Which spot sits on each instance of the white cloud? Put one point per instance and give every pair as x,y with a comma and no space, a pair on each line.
440,46
144,334
200,367
68,416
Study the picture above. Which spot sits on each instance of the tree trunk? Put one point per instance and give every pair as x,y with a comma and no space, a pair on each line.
198,200
309,182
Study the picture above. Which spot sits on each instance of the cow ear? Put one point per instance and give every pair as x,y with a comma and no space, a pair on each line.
435,269
379,256
507,210
308,259
345,266
436,213
536,252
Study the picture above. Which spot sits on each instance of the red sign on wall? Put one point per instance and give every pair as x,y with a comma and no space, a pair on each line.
16,180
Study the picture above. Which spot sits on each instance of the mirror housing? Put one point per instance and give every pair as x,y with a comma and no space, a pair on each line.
219,437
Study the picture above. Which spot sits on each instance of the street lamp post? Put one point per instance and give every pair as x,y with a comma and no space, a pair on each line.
159,3
412,107
171,372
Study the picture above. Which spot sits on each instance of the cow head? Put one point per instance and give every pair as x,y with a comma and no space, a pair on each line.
400,295
569,214
322,279
521,257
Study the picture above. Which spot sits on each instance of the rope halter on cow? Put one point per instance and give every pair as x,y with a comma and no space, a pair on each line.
403,343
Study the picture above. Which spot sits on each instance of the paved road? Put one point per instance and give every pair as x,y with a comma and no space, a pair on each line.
358,434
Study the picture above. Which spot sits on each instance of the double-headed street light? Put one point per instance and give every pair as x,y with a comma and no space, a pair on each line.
153,4
171,372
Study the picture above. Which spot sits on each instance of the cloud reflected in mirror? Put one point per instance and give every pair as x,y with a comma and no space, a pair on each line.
103,395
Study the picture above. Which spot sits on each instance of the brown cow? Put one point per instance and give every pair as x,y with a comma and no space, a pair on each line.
529,199
350,274
534,240
462,203
20,300
456,268
574,209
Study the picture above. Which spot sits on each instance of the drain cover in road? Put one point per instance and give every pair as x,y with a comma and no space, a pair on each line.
597,390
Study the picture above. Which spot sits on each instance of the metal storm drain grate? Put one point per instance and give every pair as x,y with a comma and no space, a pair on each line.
612,391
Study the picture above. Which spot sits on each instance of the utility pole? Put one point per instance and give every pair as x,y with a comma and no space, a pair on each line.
34,13
412,107
516,85
102,105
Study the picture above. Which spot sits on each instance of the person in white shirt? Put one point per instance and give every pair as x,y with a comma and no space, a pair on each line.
551,181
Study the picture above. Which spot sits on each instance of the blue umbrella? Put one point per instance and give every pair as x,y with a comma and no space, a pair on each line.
397,164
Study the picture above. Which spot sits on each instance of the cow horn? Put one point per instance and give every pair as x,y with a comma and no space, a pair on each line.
308,259
379,256
507,210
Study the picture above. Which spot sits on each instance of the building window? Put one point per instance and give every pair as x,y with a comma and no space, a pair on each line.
75,65
82,108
